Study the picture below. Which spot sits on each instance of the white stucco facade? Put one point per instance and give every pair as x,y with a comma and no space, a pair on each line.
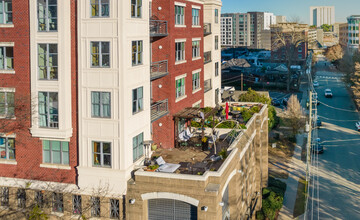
209,45
119,29
269,19
320,15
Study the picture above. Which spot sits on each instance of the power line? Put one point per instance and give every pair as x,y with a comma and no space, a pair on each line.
340,109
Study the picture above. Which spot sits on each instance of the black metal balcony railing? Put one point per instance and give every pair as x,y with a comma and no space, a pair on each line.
158,28
158,69
207,57
207,29
207,85
159,109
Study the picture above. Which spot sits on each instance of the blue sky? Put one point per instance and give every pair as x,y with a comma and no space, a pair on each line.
291,8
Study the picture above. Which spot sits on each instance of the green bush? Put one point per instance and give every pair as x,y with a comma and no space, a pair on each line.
273,118
273,197
223,153
246,115
260,215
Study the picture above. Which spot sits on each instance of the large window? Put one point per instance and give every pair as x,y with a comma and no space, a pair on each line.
138,146
95,206
58,202
100,54
114,209
6,58
7,148
196,49
137,49
100,104
216,42
6,12
76,201
48,110
180,87
47,15
56,152
216,16
99,8
137,100
7,104
136,6
101,154
195,17
179,15
179,51
216,68
196,81
48,61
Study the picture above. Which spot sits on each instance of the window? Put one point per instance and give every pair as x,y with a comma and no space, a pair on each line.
136,8
300,56
138,146
7,104
76,200
101,154
100,104
179,51
216,68
195,17
137,100
299,49
58,202
196,49
179,15
47,15
4,196
48,110
196,81
99,8
48,61
7,148
180,87
6,58
39,199
137,49
114,209
216,16
100,54
21,198
6,12
216,42
95,206
56,152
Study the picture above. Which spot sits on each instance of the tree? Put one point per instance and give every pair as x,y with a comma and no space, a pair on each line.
334,53
286,40
294,114
326,27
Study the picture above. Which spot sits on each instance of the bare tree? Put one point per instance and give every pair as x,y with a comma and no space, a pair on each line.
294,114
286,40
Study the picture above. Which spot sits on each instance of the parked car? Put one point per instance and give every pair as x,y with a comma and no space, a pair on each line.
328,93
316,83
275,102
285,101
318,123
317,147
357,125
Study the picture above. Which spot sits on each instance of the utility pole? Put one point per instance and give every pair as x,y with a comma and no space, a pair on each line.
242,81
308,156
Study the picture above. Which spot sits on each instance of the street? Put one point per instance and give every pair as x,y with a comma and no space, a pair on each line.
339,165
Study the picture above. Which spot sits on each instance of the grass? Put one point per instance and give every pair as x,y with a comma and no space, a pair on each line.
299,207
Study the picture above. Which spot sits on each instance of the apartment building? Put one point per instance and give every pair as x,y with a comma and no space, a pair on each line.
269,19
343,34
320,15
226,31
353,32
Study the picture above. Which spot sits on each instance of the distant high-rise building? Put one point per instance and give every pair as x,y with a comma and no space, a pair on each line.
226,31
280,19
320,15
269,19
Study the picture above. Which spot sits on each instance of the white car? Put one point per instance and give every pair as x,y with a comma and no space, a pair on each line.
316,83
328,93
357,125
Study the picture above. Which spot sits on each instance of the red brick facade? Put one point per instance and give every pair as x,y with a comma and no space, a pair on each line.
28,150
165,135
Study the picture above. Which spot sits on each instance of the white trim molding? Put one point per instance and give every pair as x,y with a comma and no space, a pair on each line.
181,76
180,40
180,4
7,44
168,195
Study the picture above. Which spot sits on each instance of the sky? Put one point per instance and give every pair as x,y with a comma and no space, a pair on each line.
293,8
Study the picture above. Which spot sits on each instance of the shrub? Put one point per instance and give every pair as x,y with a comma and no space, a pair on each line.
260,215
246,115
223,153
273,118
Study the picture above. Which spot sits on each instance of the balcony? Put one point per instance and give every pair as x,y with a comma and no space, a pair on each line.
158,69
207,57
207,85
158,28
159,109
207,29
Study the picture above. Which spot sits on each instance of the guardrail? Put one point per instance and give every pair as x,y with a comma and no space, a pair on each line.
207,57
158,28
158,69
159,109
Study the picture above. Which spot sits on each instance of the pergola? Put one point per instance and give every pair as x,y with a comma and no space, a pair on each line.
190,113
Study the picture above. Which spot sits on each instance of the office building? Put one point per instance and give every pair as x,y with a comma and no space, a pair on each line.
320,15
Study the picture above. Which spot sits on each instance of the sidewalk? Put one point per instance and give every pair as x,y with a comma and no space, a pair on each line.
297,169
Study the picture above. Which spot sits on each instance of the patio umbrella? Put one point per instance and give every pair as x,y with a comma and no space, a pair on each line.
227,111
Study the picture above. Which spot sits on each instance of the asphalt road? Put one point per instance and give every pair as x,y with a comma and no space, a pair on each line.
339,165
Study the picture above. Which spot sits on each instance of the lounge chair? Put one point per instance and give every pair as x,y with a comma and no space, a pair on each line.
188,134
166,167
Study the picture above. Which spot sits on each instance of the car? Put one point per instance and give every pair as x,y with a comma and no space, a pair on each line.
316,83
357,125
275,102
285,101
318,123
317,147
328,93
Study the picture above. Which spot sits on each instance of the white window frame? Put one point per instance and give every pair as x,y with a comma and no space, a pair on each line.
7,104
47,64
100,54
62,152
179,18
100,7
216,15
138,46
102,154
196,81
6,12
47,19
180,54
139,147
195,17
182,88
5,57
195,49
49,123
101,104
135,6
7,148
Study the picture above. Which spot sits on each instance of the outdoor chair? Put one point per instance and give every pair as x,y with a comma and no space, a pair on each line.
166,167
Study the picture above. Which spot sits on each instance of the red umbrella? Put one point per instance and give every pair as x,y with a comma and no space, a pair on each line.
227,111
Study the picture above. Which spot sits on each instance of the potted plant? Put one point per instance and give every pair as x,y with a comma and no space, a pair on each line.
205,143
152,168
